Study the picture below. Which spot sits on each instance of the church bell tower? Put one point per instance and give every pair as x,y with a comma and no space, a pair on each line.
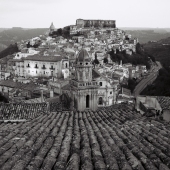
84,92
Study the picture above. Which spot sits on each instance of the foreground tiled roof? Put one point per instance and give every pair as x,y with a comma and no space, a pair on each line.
10,83
164,102
111,138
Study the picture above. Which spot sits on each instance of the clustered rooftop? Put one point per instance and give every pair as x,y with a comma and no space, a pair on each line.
110,138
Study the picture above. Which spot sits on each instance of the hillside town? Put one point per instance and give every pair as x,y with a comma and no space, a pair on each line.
46,65
69,107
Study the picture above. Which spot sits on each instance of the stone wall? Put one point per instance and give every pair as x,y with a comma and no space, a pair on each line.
96,23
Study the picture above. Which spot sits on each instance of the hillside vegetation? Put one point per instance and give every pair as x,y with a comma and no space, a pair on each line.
140,57
161,51
161,86
9,50
145,36
14,35
2,47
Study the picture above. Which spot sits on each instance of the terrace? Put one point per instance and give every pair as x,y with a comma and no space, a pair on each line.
115,137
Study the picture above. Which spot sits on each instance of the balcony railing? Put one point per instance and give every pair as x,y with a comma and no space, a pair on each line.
51,68
84,84
43,67
36,67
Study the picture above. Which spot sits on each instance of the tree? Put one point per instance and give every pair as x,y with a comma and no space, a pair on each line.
59,32
95,61
3,98
131,84
12,48
66,32
105,60
96,25
139,49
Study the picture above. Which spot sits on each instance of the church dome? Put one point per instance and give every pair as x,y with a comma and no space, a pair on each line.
52,26
83,56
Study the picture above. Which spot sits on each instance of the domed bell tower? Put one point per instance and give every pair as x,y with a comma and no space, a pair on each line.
83,67
85,89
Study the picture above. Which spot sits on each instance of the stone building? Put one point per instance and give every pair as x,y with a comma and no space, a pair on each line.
45,66
81,23
88,89
84,88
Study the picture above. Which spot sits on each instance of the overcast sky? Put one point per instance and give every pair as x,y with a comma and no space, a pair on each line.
127,13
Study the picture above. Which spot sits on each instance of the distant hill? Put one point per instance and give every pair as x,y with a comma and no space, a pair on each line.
2,29
145,36
146,28
13,35
2,47
161,86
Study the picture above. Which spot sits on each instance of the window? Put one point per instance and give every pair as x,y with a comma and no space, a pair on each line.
36,66
100,83
36,71
86,63
87,75
28,65
80,63
87,101
28,71
100,100
66,65
44,72
111,92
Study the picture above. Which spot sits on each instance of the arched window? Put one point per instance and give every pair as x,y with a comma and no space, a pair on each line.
81,76
87,101
100,100
87,75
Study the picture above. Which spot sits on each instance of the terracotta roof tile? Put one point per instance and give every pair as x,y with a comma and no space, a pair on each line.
10,83
116,137
95,74
45,58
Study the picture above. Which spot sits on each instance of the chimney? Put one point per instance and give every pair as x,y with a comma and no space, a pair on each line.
51,93
120,62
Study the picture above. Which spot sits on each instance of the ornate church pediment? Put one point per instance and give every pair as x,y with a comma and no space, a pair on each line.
100,93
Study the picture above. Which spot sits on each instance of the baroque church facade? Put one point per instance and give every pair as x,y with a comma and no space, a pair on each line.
88,89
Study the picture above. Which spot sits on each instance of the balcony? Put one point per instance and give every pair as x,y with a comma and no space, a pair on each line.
36,67
44,68
28,66
84,84
51,68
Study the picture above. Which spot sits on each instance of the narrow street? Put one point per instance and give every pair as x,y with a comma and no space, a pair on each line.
148,80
